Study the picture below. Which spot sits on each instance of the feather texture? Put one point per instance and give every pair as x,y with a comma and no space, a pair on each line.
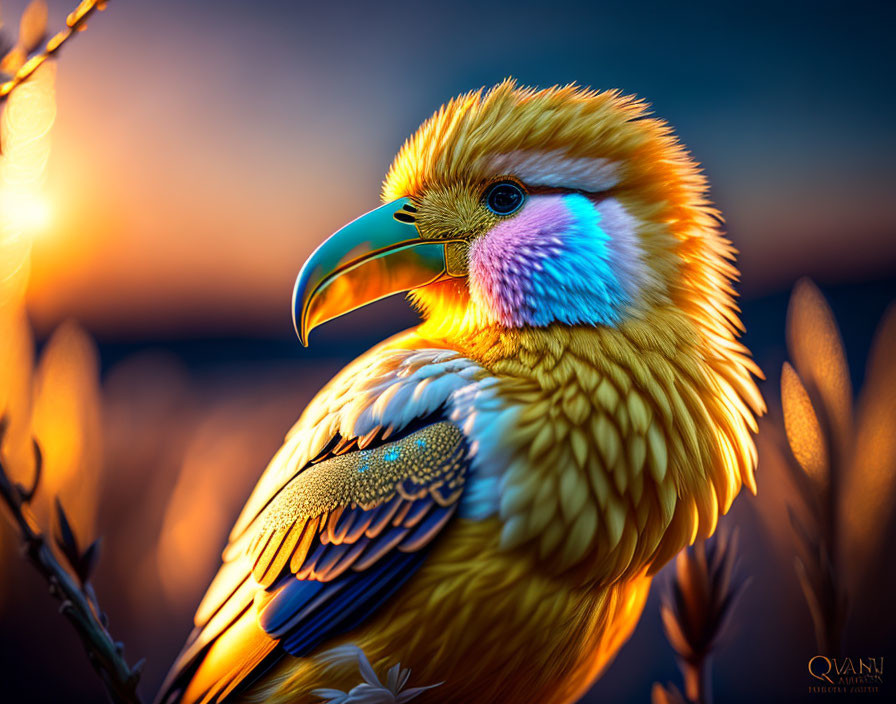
594,406
331,546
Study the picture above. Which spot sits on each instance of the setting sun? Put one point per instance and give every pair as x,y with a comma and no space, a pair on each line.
26,212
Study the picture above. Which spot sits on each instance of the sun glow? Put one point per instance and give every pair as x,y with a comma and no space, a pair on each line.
25,135
25,211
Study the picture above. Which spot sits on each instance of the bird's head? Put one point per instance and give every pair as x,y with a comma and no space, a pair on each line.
521,208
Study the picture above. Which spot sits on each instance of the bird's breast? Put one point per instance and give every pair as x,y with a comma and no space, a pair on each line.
602,452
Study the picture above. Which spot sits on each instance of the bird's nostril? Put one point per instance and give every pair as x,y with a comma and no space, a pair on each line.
406,214
403,216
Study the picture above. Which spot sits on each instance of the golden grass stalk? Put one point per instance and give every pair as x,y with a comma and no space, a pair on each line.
696,614
816,400
868,493
840,466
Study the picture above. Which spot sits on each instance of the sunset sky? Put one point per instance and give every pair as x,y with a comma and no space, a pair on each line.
202,149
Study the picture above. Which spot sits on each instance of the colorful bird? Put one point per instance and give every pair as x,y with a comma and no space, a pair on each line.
485,497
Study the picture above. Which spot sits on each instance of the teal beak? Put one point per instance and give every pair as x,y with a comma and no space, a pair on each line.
379,254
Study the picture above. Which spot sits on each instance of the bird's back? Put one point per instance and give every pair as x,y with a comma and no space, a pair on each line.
342,518
538,568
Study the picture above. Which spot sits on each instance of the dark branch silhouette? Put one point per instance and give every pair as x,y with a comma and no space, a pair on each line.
69,583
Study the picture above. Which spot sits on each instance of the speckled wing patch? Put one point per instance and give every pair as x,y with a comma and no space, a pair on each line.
350,510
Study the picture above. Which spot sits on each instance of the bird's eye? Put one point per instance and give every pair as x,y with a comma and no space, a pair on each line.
504,198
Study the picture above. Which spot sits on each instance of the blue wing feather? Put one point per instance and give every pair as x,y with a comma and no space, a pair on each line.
349,601
309,609
343,565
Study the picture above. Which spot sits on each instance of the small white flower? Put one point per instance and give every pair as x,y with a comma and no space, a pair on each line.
371,691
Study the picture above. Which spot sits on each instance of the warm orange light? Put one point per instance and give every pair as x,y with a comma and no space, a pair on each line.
25,136
25,124
25,211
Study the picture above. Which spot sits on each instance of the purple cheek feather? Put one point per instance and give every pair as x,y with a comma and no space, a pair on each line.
561,259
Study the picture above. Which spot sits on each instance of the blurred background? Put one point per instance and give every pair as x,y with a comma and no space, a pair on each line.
182,159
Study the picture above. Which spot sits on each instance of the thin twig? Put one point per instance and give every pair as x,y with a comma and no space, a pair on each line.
76,595
75,22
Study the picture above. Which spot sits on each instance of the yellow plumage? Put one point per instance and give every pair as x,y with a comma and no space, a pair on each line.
548,642
603,449
593,537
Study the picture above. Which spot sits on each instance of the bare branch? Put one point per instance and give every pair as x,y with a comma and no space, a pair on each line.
70,586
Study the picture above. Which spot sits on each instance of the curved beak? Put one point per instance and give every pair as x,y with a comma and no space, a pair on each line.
377,255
